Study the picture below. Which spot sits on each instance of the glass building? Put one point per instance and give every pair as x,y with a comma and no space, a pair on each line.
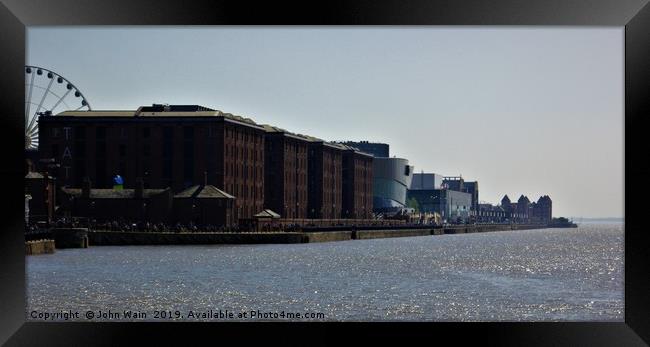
391,180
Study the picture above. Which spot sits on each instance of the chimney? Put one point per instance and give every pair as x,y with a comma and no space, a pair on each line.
139,188
85,188
205,178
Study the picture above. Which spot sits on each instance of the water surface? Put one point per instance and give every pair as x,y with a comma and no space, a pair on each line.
526,275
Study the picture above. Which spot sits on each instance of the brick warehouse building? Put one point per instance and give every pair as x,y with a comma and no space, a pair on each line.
178,146
169,146
357,184
285,175
325,180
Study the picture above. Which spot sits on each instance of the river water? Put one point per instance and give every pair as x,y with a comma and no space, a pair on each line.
526,275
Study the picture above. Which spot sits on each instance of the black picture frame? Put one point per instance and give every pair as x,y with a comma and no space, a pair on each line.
634,15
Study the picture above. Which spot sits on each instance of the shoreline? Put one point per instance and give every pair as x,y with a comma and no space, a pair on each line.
119,238
83,238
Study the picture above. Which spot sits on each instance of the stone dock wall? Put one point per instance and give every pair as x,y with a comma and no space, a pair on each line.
380,234
328,236
39,247
114,238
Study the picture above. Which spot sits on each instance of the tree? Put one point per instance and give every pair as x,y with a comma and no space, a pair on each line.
413,203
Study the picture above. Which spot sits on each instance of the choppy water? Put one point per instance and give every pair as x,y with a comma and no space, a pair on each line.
530,275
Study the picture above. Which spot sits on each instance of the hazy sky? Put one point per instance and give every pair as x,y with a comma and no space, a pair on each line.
532,110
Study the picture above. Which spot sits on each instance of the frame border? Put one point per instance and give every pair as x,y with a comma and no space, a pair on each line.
15,15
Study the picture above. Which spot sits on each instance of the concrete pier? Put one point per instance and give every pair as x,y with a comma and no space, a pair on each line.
70,237
39,247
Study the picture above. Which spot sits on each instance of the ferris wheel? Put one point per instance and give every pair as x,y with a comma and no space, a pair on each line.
46,93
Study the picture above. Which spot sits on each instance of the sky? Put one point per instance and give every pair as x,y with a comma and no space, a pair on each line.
522,110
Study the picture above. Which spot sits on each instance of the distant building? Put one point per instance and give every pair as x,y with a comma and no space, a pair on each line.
460,185
488,213
378,150
543,210
391,179
523,211
453,206
426,181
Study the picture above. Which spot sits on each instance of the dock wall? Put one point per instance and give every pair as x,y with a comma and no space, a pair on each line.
328,236
114,238
379,234
118,238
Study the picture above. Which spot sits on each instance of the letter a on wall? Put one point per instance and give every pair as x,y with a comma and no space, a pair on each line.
67,153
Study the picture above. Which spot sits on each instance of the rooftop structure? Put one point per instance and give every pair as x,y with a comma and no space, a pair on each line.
376,149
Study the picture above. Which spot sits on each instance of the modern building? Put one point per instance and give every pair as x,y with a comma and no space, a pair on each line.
286,173
426,181
391,176
453,206
357,178
167,145
460,185
378,150
391,179
325,177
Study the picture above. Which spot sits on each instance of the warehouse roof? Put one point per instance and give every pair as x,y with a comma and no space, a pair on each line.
160,111
112,193
204,192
